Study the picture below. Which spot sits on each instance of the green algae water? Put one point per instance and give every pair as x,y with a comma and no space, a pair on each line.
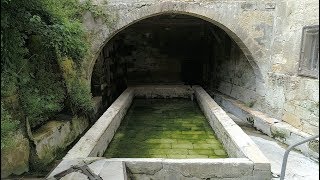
165,128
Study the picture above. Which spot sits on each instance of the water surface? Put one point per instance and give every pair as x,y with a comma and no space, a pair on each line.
165,128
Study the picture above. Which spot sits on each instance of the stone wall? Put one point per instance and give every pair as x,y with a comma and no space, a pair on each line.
229,70
248,23
147,63
297,97
52,139
163,50
267,32
15,158
272,127
109,77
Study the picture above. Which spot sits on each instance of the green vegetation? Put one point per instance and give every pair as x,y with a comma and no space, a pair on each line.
250,104
278,134
8,126
37,38
76,88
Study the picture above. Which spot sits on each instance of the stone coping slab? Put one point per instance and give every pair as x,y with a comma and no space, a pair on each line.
240,148
272,127
106,169
97,138
163,91
159,168
236,142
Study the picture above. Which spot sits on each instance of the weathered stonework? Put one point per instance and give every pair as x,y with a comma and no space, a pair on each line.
274,128
53,137
229,16
267,32
15,159
246,160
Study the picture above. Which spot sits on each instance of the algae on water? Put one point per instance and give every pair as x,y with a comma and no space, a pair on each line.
165,128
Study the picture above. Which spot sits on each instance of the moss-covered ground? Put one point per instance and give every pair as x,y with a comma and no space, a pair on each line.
165,128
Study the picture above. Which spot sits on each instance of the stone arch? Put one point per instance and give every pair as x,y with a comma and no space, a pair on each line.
223,20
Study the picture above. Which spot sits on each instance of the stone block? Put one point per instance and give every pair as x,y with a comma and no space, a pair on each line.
100,134
292,119
262,175
55,136
113,170
204,168
67,163
262,125
310,129
163,91
75,175
15,159
143,166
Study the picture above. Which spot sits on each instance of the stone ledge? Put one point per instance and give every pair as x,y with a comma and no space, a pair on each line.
195,168
272,127
54,136
231,135
163,91
100,131
111,170
158,168
247,163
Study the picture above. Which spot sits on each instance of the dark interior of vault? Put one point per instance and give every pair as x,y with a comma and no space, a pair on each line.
168,49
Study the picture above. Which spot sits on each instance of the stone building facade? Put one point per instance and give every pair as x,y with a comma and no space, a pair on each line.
249,51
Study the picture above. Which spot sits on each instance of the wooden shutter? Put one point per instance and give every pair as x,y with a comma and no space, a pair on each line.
309,54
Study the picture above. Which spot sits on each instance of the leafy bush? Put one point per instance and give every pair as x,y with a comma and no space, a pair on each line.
79,92
8,126
8,84
80,102
42,91
35,36
42,96
55,21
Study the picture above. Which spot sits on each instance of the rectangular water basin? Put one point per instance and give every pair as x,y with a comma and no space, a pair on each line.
168,138
165,128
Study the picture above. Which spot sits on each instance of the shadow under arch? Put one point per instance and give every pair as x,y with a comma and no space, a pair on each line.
125,24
